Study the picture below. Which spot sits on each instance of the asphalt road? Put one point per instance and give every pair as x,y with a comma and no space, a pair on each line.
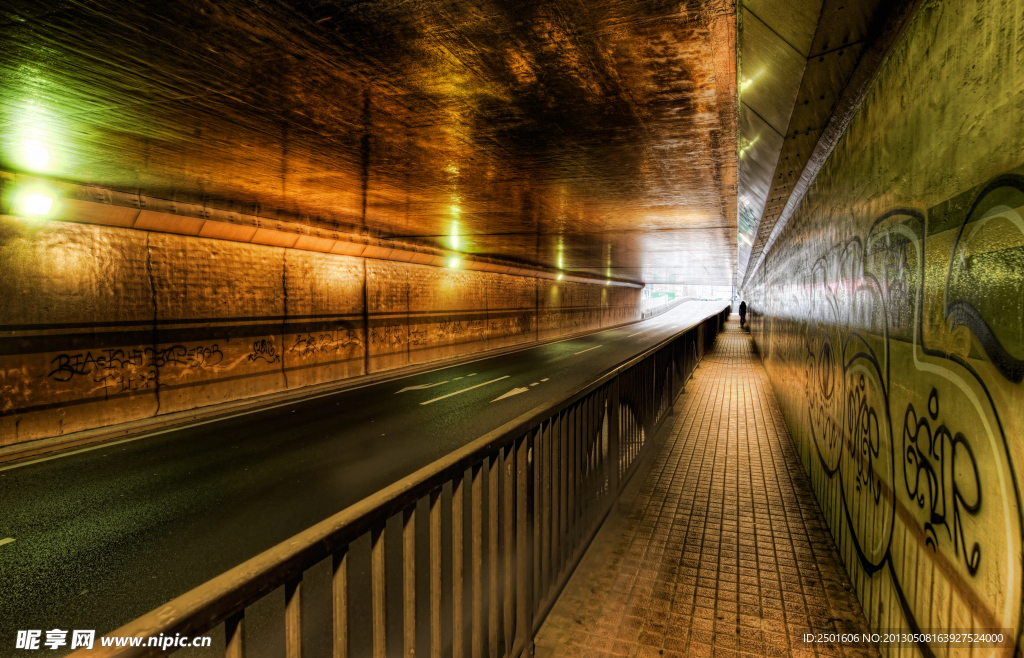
105,535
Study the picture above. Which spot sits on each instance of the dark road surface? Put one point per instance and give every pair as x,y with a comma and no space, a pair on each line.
110,533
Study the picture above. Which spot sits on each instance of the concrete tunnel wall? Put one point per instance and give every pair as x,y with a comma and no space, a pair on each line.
102,325
890,317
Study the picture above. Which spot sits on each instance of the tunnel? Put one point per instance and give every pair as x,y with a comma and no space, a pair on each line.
546,328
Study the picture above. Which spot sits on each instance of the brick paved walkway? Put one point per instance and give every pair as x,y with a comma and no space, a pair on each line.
720,548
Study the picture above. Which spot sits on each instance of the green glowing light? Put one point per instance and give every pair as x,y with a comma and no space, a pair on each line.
745,83
746,145
36,155
37,204
35,200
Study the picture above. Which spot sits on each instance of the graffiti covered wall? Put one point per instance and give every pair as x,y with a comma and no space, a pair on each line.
890,317
100,325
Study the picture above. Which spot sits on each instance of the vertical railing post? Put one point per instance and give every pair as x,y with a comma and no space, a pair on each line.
476,539
524,556
436,571
339,590
543,457
409,581
458,567
378,586
649,394
614,456
508,543
493,475
538,464
672,376
293,618
234,635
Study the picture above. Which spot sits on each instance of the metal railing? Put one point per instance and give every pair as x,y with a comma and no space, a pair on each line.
505,519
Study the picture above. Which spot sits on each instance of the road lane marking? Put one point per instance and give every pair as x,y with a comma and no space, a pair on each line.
466,389
545,379
472,374
420,387
6,541
636,334
587,350
514,391
534,383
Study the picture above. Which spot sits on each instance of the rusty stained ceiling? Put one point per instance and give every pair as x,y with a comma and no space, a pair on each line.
593,136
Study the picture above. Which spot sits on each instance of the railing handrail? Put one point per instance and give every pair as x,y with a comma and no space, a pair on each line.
210,603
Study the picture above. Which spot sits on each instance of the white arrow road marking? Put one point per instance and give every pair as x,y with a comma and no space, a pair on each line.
420,387
514,391
6,541
466,389
587,350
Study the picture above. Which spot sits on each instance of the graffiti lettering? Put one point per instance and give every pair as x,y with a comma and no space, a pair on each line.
388,336
516,326
123,371
864,440
265,350
936,483
875,340
449,327
110,364
307,345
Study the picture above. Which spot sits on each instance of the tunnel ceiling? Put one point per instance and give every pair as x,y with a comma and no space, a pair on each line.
805,67
593,136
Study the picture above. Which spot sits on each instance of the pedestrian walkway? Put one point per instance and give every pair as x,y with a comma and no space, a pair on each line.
720,548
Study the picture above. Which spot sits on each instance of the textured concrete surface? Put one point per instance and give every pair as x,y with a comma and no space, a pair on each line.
596,136
719,548
103,325
890,317
105,535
